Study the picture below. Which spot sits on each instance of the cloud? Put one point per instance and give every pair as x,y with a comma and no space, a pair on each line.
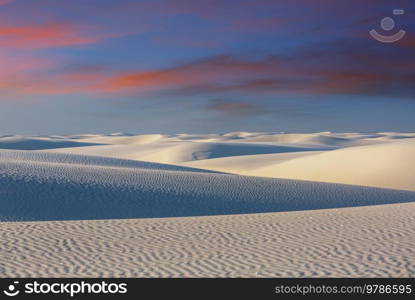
240,109
17,73
46,36
4,2
328,70
354,66
248,85
213,69
338,68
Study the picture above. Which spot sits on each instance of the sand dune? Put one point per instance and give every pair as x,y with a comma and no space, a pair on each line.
385,165
321,139
84,161
251,165
38,143
375,241
185,152
329,139
31,183
173,152
332,204
389,165
117,139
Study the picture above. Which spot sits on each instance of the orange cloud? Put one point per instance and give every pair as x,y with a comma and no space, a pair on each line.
43,36
215,69
221,68
143,80
224,74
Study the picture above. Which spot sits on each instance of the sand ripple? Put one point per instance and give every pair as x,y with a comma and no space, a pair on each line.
367,241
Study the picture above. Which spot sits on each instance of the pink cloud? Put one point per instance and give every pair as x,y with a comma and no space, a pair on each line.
4,2
44,36
17,72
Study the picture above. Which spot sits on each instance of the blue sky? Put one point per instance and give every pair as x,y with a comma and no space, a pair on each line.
204,66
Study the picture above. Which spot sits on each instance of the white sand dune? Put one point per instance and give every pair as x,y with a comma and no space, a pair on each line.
174,152
251,165
38,143
385,165
369,165
191,151
374,241
320,139
389,165
321,204
119,139
31,183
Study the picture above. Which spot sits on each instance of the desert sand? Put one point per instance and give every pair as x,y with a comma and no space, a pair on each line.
375,241
211,205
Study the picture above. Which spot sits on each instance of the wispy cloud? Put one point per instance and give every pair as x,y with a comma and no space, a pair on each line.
320,71
47,36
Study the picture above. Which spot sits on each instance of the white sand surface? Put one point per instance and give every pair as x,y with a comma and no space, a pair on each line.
375,241
250,204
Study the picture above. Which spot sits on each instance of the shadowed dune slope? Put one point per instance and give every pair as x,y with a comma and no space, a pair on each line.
36,187
39,143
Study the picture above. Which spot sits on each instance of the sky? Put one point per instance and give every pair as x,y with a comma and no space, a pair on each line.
211,66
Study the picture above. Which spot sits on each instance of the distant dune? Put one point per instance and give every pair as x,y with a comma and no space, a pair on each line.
347,158
252,204
38,143
389,165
